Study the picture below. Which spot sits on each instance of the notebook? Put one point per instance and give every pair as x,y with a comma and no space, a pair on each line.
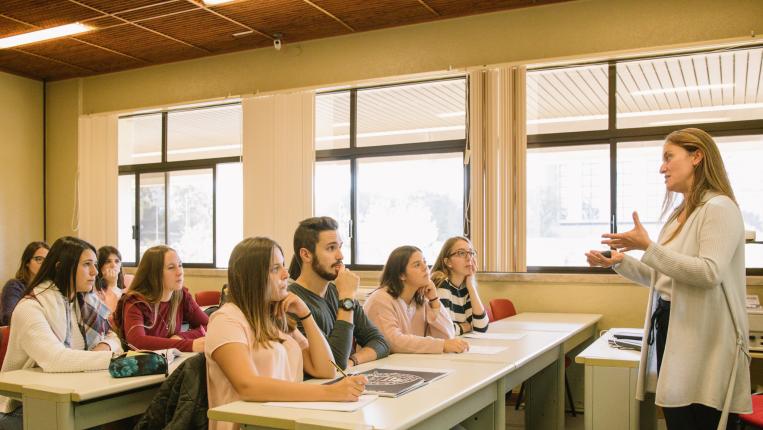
394,382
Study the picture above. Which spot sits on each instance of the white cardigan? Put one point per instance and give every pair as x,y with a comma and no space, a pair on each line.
38,329
706,357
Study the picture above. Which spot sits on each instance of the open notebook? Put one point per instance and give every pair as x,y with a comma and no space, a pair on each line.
393,382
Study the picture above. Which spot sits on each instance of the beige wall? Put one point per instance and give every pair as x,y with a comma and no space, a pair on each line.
21,146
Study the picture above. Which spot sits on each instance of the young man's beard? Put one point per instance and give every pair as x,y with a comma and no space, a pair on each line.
318,269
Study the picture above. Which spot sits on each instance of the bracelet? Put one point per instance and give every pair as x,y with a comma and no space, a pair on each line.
309,314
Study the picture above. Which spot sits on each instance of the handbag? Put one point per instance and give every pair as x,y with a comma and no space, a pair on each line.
138,363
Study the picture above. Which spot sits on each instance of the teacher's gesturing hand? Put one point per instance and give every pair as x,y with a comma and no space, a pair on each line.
637,238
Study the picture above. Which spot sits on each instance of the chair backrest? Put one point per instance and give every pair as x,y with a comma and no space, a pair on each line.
502,308
5,332
207,298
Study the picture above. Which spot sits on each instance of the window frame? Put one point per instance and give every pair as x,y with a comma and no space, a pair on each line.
612,136
166,167
354,152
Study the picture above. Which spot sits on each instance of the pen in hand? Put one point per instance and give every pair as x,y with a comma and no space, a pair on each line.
344,375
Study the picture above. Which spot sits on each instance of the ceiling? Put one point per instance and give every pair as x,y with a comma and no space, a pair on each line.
138,33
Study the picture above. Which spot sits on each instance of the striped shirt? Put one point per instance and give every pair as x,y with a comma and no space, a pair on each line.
459,305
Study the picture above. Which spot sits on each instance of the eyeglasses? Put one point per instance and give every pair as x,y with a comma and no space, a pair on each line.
463,253
38,259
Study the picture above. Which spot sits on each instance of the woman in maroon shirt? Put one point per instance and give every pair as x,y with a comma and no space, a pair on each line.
151,312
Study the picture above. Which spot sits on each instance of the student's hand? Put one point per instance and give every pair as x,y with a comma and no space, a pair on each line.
347,283
110,275
430,291
346,390
294,305
471,281
637,238
102,347
465,327
176,337
455,345
596,259
198,344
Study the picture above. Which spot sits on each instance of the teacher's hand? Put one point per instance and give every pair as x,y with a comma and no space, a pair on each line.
637,238
597,259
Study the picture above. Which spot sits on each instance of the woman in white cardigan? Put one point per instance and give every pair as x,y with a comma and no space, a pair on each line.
696,275
59,325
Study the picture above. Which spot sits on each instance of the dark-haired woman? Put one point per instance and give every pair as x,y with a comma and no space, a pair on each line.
110,282
55,327
253,352
407,310
31,260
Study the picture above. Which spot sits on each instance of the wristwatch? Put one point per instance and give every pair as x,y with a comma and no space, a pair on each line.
347,304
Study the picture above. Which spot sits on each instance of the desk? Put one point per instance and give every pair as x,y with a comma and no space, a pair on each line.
67,401
610,388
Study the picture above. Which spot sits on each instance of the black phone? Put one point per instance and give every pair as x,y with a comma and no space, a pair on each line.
607,253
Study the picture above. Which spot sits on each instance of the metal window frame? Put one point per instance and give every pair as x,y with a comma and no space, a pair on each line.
354,152
613,135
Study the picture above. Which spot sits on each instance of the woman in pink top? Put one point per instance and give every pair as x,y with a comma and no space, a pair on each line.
254,352
407,310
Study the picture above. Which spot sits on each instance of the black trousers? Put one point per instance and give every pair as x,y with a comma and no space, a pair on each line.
694,416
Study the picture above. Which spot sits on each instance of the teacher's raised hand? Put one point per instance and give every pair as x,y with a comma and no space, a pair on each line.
597,259
636,238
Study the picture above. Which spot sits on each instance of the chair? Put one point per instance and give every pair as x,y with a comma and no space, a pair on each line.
754,419
5,332
207,298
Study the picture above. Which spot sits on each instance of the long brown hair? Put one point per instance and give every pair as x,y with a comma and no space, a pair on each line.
148,286
104,253
397,262
709,174
23,274
440,271
60,266
249,289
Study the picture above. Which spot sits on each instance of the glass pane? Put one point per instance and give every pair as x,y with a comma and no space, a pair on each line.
332,197
189,225
568,99
408,200
139,139
152,211
332,120
208,132
126,217
230,210
426,112
567,203
690,89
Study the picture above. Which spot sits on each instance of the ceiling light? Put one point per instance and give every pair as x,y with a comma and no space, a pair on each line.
46,34
451,114
677,89
216,2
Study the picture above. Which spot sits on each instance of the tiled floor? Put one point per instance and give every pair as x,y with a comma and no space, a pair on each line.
515,420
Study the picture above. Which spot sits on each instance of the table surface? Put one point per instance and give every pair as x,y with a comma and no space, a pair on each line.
600,353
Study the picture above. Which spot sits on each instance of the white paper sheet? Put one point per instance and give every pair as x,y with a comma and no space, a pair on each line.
485,350
494,336
327,406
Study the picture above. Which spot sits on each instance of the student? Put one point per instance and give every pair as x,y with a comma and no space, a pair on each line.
31,260
695,325
151,312
253,353
53,327
110,283
454,275
407,310
329,290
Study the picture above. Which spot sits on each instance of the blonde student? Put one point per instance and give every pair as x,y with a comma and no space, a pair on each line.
407,310
254,351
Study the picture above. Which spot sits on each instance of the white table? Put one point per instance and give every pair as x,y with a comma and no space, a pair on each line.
610,388
67,401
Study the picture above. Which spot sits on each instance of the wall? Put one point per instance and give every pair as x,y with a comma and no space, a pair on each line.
21,144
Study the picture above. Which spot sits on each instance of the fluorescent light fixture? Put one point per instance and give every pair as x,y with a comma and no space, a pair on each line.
216,2
677,89
340,124
46,34
451,114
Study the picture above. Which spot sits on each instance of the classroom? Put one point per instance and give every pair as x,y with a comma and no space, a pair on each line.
503,138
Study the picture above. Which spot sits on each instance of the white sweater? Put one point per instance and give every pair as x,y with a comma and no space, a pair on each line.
38,330
706,358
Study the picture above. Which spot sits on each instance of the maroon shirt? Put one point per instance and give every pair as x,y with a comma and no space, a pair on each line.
144,330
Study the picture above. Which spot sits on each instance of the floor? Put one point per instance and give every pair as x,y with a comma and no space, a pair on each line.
515,420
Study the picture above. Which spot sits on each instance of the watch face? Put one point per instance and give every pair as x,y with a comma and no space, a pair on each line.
347,304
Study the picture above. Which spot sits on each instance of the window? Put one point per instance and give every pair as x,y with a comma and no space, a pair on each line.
180,183
595,136
390,167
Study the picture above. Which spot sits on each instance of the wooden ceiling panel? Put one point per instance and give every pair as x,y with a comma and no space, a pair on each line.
48,13
141,43
294,19
451,8
364,15
104,22
83,55
24,64
9,27
161,9
115,6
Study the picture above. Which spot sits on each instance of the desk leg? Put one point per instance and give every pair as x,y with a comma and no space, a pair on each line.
47,409
499,416
544,408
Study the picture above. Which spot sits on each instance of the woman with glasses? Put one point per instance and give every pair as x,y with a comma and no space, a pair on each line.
31,260
454,274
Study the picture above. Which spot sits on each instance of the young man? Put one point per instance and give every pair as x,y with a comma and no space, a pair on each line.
329,290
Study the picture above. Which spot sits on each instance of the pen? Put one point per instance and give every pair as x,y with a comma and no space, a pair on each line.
344,375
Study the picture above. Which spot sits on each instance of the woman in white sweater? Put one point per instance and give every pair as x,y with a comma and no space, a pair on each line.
696,275
58,325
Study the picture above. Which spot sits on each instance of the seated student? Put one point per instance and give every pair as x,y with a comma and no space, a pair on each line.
31,260
407,310
253,352
53,326
110,283
151,312
454,275
329,290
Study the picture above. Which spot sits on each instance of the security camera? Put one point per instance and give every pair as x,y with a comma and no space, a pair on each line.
277,41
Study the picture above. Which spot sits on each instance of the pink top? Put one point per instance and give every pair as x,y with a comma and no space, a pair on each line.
280,361
413,329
